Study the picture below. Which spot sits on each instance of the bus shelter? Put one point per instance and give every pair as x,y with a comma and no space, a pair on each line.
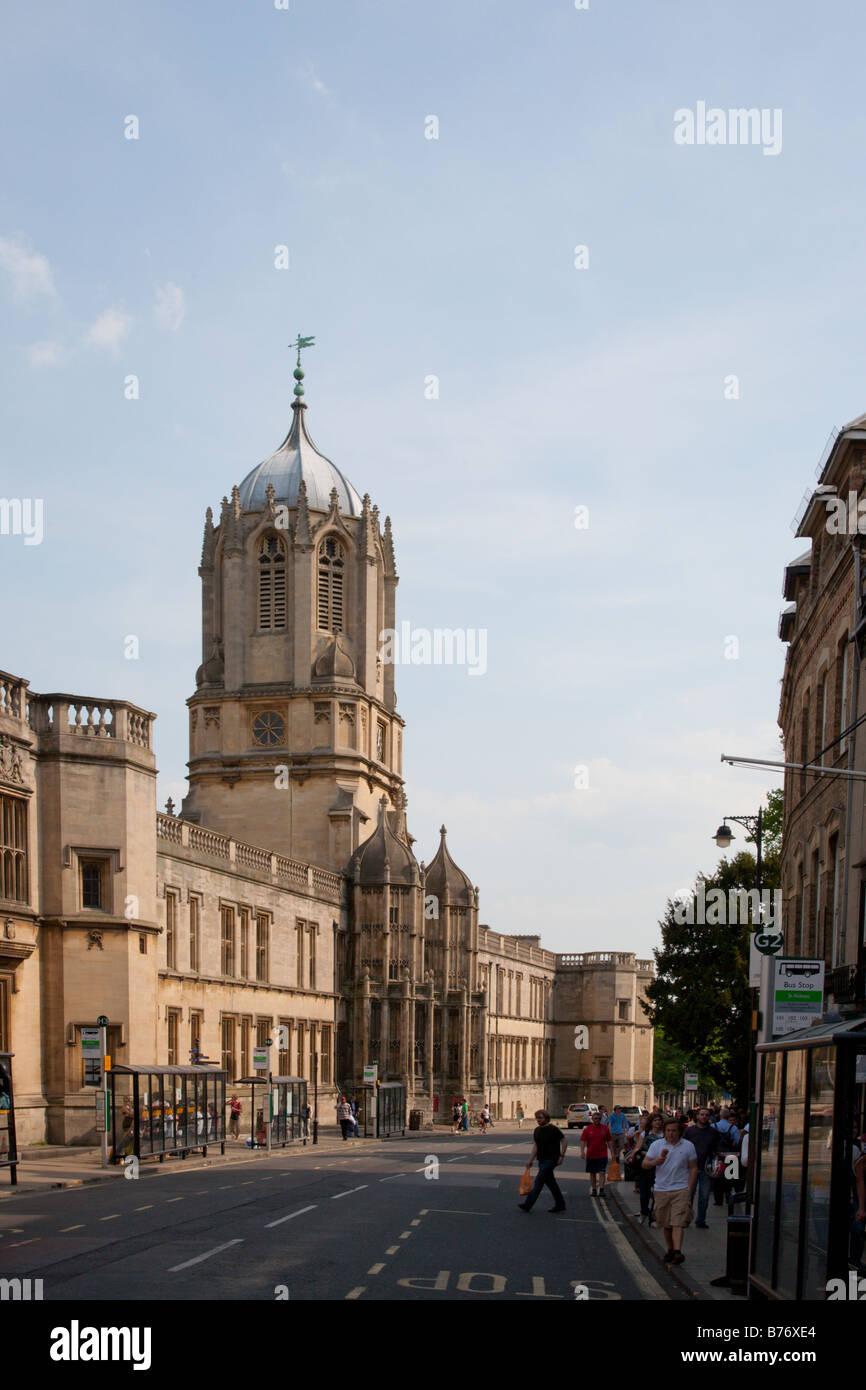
8,1146
166,1110
288,1102
812,1104
390,1109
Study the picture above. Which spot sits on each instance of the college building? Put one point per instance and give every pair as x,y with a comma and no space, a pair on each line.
286,893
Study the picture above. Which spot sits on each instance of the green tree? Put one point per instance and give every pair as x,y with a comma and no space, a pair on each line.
700,997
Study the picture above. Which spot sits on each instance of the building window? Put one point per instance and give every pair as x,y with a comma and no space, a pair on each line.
269,728
283,1056
330,591
325,1055
228,1048
93,884
244,968
171,930
842,667
380,741
194,930
246,1026
622,1009
173,1020
228,941
300,932
142,943
13,849
196,1030
5,1035
263,1031
262,935
518,988
312,955
602,1068
272,583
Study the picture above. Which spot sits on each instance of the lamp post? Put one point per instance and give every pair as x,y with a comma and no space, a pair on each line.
723,838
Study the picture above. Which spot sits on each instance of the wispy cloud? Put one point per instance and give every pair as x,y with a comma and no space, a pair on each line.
28,271
316,82
169,310
45,354
109,330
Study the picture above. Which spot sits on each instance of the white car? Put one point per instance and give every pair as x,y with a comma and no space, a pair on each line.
580,1114
634,1113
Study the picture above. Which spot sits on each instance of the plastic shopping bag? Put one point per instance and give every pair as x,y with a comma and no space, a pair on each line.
613,1173
525,1183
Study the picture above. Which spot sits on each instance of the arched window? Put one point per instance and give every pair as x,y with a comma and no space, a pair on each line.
272,582
330,590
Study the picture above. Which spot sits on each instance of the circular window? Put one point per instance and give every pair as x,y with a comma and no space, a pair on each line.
269,728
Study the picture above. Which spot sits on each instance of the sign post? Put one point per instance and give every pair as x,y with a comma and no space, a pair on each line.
105,1060
798,993
262,1062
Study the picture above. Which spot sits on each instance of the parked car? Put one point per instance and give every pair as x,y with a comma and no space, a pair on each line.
634,1113
580,1114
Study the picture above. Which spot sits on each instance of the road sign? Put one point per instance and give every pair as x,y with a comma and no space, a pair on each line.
102,1021
798,993
90,1041
690,1081
260,1059
371,1074
763,943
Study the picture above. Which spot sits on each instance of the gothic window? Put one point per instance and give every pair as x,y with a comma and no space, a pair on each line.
380,742
272,582
13,848
269,728
330,590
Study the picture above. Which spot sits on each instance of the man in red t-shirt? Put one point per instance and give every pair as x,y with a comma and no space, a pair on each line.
597,1146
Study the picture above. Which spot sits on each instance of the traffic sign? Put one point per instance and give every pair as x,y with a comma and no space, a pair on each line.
763,943
90,1042
371,1074
260,1058
798,993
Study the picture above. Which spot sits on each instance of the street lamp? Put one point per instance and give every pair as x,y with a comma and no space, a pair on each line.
755,826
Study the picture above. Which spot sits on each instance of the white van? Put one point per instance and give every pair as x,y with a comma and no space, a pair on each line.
580,1114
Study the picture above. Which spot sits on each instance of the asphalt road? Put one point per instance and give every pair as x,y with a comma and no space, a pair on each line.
363,1222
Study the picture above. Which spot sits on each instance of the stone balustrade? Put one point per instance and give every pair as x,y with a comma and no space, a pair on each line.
288,873
87,717
14,697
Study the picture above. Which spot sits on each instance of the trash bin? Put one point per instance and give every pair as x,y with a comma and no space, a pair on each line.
415,1117
736,1275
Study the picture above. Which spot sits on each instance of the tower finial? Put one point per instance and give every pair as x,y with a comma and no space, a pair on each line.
299,371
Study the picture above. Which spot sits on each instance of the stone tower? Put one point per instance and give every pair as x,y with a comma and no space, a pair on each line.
294,735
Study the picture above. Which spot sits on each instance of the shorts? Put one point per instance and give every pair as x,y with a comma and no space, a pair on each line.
596,1165
673,1208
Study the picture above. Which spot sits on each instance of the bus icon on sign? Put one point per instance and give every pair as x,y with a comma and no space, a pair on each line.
802,967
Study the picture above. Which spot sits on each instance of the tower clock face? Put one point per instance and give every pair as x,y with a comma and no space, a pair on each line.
269,728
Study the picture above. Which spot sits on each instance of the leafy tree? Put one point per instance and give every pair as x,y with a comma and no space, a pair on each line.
700,998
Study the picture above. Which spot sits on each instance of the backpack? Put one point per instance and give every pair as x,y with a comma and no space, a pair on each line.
727,1143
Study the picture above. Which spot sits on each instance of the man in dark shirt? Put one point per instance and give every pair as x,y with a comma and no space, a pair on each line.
548,1146
706,1141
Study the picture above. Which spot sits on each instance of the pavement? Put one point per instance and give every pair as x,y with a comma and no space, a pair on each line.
705,1251
424,1217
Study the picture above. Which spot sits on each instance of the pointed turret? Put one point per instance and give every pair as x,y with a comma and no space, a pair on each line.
444,873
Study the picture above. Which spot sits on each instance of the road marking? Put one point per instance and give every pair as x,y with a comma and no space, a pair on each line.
538,1290
173,1199
375,1269
149,1207
248,1183
355,1293
337,1195
110,1218
291,1214
405,1235
206,1256
416,1222
392,1249
224,1189
649,1287
453,1160
453,1211
32,1241
79,1227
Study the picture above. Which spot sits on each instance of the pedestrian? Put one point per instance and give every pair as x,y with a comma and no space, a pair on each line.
355,1108
520,1114
728,1145
485,1119
858,1204
456,1117
618,1126
646,1176
306,1116
464,1111
706,1142
596,1146
235,1108
676,1168
548,1146
344,1115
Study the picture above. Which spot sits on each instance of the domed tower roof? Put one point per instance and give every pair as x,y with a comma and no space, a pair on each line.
297,458
442,872
383,850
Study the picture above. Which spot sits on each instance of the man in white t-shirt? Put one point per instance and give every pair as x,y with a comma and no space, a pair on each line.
676,1163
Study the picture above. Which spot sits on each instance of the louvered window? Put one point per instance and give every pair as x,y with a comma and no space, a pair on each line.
272,582
331,586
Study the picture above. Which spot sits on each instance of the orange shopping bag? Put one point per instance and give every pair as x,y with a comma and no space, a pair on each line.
525,1183
613,1173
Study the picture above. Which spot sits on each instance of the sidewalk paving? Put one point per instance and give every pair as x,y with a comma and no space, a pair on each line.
705,1251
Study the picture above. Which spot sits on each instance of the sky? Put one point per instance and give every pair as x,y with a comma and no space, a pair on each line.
671,385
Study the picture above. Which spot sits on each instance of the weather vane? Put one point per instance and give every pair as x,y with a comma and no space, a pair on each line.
299,371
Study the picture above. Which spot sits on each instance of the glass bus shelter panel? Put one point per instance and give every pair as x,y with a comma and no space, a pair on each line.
122,1129
769,1156
8,1146
793,1177
816,1179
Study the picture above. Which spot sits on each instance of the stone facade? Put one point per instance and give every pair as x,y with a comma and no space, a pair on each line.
287,895
824,833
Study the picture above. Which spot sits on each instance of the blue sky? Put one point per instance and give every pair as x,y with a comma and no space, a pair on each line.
559,387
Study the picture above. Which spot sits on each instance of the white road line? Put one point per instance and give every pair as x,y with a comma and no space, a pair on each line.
173,1199
355,1293
79,1227
649,1287
405,1235
392,1249
416,1222
24,1242
375,1269
149,1207
337,1195
290,1216
115,1217
206,1256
